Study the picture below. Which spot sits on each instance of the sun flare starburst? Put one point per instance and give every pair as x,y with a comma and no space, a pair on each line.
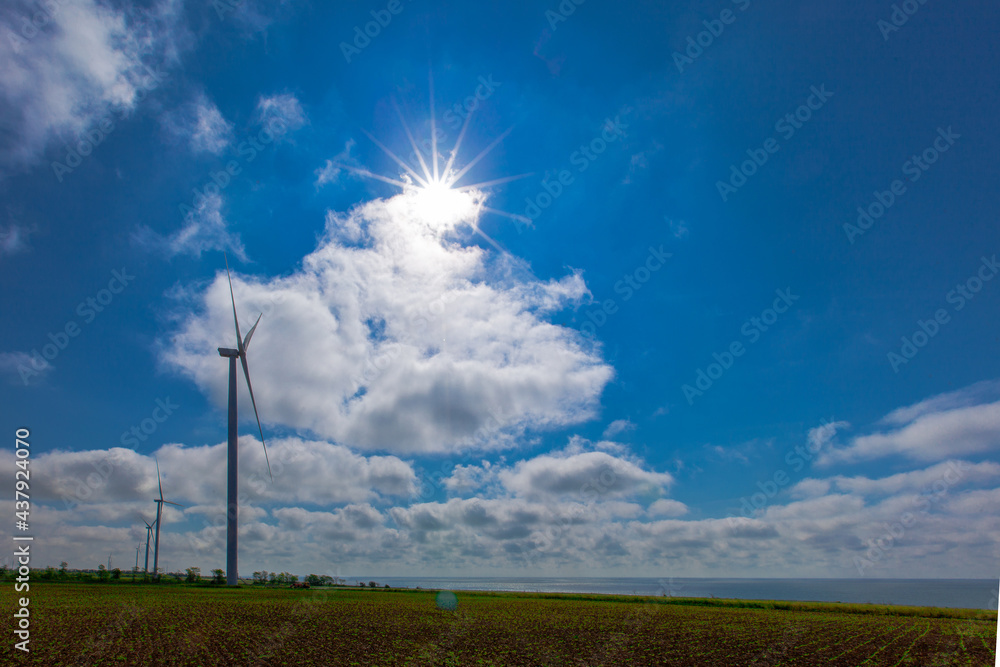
433,193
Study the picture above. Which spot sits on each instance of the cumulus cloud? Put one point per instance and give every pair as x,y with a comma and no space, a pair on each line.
205,229
394,335
81,61
954,424
667,507
588,474
360,523
304,471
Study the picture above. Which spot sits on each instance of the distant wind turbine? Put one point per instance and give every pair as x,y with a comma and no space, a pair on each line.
149,532
159,509
232,506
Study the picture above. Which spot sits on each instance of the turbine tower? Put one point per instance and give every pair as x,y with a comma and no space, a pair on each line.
159,508
232,506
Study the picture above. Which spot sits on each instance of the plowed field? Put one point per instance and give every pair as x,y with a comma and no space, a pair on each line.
172,625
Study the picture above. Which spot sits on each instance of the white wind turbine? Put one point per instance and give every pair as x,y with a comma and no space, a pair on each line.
232,505
159,509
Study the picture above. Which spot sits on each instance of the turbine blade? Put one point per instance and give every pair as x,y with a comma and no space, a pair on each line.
246,374
246,341
172,503
236,320
158,482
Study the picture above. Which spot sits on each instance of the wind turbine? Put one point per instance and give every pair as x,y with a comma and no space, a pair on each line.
232,506
159,508
149,531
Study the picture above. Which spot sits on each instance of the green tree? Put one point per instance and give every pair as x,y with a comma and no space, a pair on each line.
62,569
218,576
102,572
193,575
116,574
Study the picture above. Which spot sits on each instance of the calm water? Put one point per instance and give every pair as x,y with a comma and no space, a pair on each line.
967,593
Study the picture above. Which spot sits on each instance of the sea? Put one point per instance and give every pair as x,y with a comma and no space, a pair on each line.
958,593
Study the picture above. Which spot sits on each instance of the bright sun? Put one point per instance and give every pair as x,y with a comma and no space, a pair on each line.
441,206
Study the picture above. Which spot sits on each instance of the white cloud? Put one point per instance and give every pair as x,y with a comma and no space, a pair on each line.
14,239
24,366
952,472
403,341
728,454
200,125
87,61
667,507
209,131
586,475
934,430
822,436
205,229
277,110
578,444
980,392
305,471
330,172
810,488
360,527
617,427
468,478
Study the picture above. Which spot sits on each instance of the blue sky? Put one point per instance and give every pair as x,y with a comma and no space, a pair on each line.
675,297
